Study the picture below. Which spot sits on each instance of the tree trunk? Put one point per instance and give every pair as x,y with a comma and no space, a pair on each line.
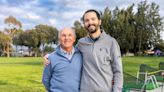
8,49
43,50
140,41
36,54
29,51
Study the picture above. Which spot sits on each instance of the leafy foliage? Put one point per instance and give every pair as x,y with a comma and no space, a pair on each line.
134,31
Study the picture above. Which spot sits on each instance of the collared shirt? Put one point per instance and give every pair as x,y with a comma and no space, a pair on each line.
68,55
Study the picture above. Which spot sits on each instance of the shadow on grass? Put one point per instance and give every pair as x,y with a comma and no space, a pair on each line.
3,83
35,81
6,83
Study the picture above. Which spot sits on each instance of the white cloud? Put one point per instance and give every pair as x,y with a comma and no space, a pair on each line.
1,27
52,22
63,13
2,16
10,10
162,35
27,25
33,16
72,14
82,5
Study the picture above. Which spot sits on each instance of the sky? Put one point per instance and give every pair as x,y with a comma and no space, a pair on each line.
59,13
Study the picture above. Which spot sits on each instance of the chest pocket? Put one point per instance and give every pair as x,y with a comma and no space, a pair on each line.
107,60
104,54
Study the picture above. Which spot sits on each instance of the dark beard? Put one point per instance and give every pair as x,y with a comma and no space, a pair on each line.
90,30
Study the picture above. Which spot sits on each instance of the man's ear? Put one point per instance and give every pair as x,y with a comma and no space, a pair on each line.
99,22
74,39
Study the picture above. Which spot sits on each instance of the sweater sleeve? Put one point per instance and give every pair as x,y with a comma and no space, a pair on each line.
47,73
117,67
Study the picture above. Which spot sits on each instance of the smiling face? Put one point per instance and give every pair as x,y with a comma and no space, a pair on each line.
91,22
67,38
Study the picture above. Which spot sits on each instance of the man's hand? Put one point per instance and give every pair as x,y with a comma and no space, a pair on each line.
46,61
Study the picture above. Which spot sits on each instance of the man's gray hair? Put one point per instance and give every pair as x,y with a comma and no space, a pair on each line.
68,28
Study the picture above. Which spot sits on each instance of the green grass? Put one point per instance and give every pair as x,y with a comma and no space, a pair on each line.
21,75
131,64
25,74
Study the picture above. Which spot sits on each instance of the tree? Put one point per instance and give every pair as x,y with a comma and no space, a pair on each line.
5,43
106,20
13,28
155,24
80,30
46,35
135,32
120,26
148,26
27,38
36,38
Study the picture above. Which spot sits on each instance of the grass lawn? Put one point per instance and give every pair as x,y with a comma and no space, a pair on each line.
131,64
21,75
24,74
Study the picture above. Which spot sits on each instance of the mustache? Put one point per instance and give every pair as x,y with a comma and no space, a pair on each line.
91,25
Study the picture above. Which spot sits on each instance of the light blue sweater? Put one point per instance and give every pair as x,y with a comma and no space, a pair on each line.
62,74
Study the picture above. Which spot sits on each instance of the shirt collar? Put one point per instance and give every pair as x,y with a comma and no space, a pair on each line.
65,52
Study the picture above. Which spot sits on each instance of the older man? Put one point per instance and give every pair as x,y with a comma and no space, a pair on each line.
64,72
